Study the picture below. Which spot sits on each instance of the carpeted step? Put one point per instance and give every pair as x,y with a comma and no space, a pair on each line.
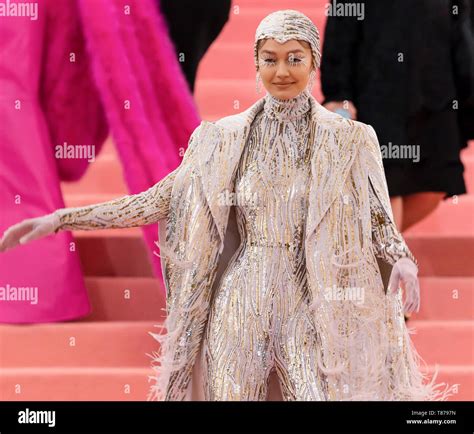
81,344
442,298
132,384
126,299
74,384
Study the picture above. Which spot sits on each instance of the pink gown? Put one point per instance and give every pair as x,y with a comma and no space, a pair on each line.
46,100
29,187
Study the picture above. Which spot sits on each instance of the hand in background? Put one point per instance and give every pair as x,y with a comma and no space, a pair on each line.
28,230
346,105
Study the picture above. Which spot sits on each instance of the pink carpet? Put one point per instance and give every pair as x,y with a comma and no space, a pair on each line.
104,356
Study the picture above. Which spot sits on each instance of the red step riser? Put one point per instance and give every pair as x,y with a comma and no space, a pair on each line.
106,344
444,342
110,255
144,300
441,299
117,344
113,385
120,384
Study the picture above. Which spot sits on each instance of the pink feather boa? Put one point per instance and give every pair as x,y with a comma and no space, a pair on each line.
126,77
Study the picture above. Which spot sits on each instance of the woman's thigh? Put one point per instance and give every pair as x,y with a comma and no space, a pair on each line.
297,351
236,355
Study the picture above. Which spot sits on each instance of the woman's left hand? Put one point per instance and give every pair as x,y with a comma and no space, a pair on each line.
405,274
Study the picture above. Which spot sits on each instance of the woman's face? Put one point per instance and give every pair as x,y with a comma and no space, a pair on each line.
284,68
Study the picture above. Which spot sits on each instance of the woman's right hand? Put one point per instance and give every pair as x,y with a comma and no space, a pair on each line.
28,230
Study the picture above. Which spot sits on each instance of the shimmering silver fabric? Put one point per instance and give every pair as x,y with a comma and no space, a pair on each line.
285,25
363,348
260,317
308,243
135,210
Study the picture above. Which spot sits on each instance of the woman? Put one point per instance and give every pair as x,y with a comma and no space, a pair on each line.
301,295
407,68
45,100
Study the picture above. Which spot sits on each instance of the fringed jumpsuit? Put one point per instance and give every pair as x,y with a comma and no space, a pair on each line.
259,318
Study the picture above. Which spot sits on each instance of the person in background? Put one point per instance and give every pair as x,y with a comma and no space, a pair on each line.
193,26
75,73
407,68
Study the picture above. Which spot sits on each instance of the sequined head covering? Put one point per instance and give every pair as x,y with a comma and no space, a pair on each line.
285,25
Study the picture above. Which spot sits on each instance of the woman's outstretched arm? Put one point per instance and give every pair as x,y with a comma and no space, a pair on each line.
128,211
135,210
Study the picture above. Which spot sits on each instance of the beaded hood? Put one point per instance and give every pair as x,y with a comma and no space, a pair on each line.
285,25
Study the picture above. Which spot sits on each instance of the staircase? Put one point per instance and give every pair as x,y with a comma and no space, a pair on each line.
104,356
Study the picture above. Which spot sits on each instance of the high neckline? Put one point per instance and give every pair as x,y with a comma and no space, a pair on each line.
287,109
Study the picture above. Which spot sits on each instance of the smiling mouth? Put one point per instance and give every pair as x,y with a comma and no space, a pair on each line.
283,84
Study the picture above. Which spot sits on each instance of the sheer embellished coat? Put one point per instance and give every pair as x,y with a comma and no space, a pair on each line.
351,241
